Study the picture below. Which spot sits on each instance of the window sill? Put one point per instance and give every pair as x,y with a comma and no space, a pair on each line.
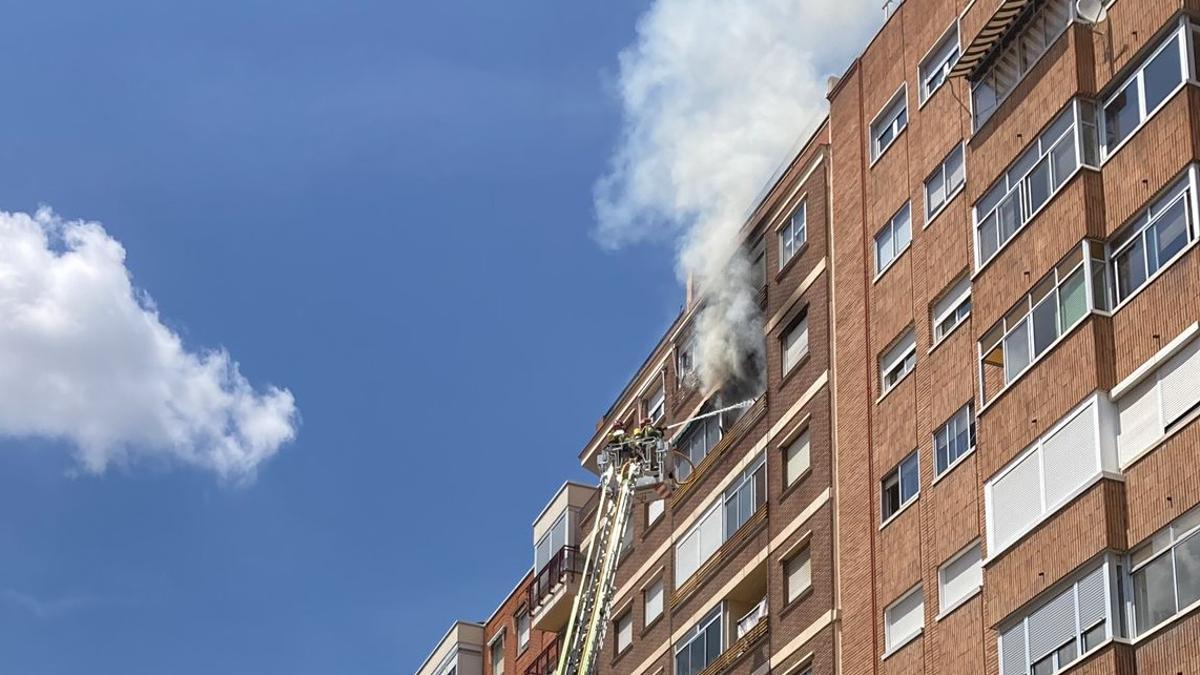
791,372
791,487
1107,154
891,144
1153,277
652,625
791,262
1179,616
952,466
1034,362
796,601
894,387
892,518
998,551
929,218
893,261
902,644
619,655
1176,426
654,523
958,603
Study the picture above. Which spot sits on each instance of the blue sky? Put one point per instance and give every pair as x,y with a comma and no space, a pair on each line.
385,208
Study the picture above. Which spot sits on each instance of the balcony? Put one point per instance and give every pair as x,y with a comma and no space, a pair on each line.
546,661
553,589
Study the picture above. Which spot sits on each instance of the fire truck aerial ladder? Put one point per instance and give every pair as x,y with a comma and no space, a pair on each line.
632,466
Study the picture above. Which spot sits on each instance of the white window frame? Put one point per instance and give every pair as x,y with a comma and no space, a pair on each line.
1149,376
745,480
942,174
939,61
949,427
892,643
1015,184
802,439
897,360
793,233
1180,37
627,619
892,117
523,629
898,472
945,604
653,513
1020,317
713,511
891,227
1106,465
797,325
700,630
1162,543
804,558
1135,231
954,303
648,617
496,647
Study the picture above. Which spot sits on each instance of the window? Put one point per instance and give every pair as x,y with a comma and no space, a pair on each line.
1166,573
935,68
889,123
699,440
1154,239
897,362
955,438
793,234
553,541
1047,474
1059,302
654,510
1145,91
1037,175
944,183
698,544
701,645
900,486
652,598
1061,629
758,263
624,631
960,577
903,619
656,405
523,630
1158,403
796,459
952,309
685,363
1015,60
795,343
496,651
797,573
734,507
893,239
743,497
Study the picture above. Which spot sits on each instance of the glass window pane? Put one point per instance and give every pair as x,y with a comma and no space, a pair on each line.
1093,636
1131,269
1010,215
883,248
1170,234
1153,593
909,480
1067,653
903,233
1187,570
1121,115
1073,299
682,663
988,237
1063,159
697,657
1016,351
712,638
1039,183
1162,75
1045,324
1044,667
891,494
954,170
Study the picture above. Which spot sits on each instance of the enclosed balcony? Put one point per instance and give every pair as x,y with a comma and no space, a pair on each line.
556,557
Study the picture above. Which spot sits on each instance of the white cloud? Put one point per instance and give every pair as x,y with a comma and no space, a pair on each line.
716,94
85,358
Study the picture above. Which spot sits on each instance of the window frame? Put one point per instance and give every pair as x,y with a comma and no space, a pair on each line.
800,321
1180,35
896,359
803,436
523,633
939,469
1162,543
950,303
747,479
1135,229
944,606
648,618
626,616
895,112
893,643
951,192
899,472
891,228
789,596
496,646
699,631
943,60
791,243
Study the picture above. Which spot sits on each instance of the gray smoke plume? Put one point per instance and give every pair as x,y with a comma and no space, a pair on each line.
716,93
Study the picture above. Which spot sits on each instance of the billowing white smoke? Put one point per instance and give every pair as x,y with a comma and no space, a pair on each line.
716,94
85,358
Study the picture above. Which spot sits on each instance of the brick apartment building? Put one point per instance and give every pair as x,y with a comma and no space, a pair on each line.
976,450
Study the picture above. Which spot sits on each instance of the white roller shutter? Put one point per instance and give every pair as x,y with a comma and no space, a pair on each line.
1180,380
960,577
1012,651
1016,500
1138,411
1070,456
905,618
1092,604
1052,625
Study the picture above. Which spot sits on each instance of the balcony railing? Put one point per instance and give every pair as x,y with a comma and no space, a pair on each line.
546,661
561,568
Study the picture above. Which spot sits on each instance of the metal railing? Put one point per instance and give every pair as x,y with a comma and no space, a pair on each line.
546,661
561,568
